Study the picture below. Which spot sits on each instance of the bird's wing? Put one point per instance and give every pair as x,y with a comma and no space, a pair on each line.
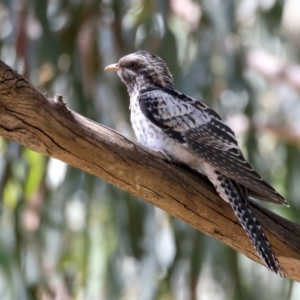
203,133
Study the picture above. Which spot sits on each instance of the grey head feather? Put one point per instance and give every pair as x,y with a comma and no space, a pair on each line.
142,70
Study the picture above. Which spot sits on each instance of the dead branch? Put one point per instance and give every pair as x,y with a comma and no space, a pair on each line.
47,126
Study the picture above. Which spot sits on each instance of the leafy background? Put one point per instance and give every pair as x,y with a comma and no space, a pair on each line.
65,234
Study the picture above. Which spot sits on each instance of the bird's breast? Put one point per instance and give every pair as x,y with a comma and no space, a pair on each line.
151,136
147,133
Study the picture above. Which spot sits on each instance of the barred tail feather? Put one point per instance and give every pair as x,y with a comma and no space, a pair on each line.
237,196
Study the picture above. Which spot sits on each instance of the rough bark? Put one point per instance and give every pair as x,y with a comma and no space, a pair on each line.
47,126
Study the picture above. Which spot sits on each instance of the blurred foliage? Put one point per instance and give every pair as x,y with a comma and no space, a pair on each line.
65,234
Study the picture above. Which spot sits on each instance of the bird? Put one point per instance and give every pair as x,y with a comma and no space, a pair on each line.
189,132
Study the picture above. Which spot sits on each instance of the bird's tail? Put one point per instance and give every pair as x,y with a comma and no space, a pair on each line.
237,195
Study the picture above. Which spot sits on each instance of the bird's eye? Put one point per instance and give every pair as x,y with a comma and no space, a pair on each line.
132,65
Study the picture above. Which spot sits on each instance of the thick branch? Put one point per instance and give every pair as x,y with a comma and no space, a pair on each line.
47,126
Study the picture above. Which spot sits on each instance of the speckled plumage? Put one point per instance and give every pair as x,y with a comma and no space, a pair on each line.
190,132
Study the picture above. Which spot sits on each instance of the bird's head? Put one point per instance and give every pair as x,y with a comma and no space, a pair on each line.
142,70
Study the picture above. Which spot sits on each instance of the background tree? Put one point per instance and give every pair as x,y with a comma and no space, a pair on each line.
67,234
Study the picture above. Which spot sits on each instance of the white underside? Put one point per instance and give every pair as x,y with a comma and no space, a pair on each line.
154,138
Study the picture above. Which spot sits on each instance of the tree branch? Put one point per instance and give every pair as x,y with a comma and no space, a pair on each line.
47,126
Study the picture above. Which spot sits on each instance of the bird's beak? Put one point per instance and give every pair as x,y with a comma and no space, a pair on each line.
113,67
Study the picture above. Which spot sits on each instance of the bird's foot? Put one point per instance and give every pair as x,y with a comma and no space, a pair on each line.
167,157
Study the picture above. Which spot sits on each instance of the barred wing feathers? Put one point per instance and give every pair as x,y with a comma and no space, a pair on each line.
201,130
